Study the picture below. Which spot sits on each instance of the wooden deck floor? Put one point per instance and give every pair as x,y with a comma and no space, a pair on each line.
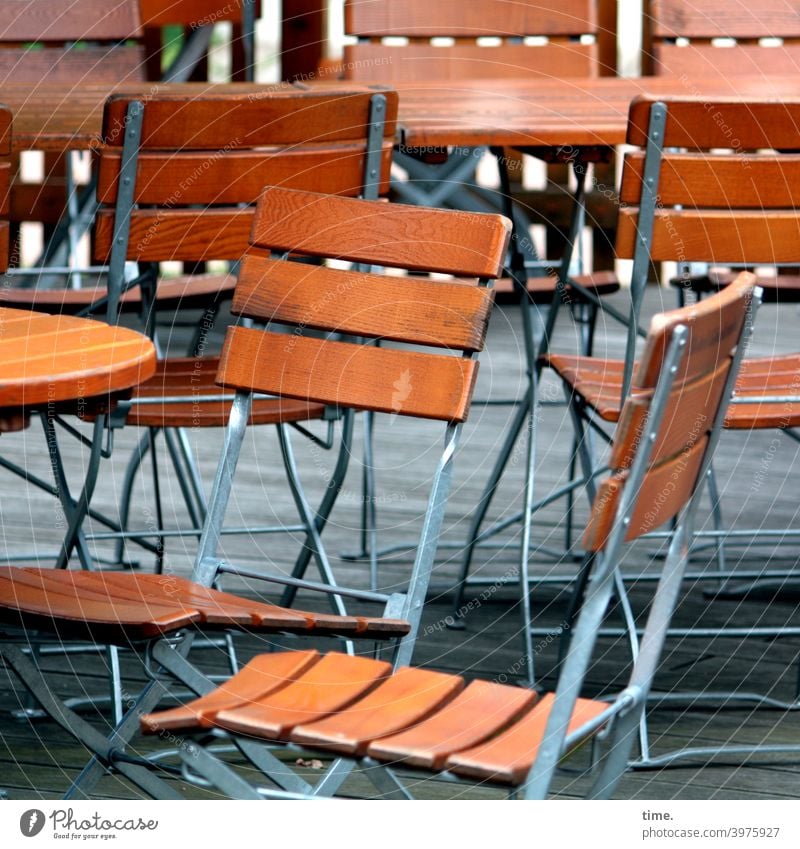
758,479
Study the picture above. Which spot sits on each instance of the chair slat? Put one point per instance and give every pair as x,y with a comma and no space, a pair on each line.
508,757
5,130
706,61
424,19
369,62
483,710
728,123
331,684
178,234
112,64
663,493
689,411
721,19
748,236
235,176
409,696
71,20
402,309
160,13
706,180
228,120
460,243
264,674
435,386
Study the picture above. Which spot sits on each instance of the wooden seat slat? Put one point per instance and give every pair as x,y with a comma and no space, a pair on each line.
195,291
508,757
409,696
262,675
333,683
482,710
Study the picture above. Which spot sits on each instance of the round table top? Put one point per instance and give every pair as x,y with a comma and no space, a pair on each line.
48,359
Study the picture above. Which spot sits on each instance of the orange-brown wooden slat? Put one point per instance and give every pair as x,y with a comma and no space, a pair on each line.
481,711
421,18
716,236
508,757
665,489
158,13
720,19
195,291
465,244
403,309
705,60
262,675
332,684
24,593
64,65
388,63
5,129
5,184
436,386
178,234
715,327
732,123
4,245
215,608
407,697
70,20
272,116
708,180
177,178
688,411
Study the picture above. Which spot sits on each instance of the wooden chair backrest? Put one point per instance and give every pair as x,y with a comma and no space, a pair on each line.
679,37
5,185
417,311
724,199
714,328
202,158
53,26
571,38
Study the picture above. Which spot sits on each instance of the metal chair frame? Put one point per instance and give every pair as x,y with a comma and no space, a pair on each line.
624,716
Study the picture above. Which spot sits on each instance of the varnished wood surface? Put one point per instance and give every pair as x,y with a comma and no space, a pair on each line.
580,111
45,358
422,19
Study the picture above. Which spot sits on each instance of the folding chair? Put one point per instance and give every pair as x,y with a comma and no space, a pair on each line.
718,205
382,719
130,608
178,177
491,40
684,206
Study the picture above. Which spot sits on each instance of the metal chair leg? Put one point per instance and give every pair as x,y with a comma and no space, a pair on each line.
326,505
